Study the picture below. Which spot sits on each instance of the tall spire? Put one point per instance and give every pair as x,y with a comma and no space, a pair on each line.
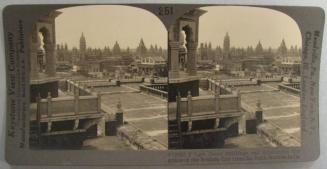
141,49
226,43
282,49
226,46
116,49
82,43
259,48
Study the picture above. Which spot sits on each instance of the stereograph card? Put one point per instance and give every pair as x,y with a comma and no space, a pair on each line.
161,84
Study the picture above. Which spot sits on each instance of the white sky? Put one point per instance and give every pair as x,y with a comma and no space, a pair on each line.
103,25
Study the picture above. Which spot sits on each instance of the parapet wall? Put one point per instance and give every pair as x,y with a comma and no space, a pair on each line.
211,104
69,105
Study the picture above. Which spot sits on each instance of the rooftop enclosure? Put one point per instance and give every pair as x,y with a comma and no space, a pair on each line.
182,49
75,116
43,67
211,116
184,35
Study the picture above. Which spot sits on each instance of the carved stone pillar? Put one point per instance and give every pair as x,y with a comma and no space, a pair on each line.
34,62
174,59
34,44
50,68
191,58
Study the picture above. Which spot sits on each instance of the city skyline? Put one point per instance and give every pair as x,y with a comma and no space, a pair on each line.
101,34
64,45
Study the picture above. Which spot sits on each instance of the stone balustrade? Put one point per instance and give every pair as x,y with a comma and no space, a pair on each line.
82,89
292,88
158,90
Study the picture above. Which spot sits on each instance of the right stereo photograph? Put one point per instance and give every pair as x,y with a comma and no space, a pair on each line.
234,79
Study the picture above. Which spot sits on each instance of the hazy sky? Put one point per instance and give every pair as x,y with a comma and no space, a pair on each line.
247,25
103,25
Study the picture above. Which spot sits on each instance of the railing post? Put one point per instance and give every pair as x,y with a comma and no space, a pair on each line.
189,110
76,124
238,94
258,113
49,111
119,114
76,101
38,116
209,84
215,86
68,85
220,86
91,88
99,101
217,93
49,107
178,104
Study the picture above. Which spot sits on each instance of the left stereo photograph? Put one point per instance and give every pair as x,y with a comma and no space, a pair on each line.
98,83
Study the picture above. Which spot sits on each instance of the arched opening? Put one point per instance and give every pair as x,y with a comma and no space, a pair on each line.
44,39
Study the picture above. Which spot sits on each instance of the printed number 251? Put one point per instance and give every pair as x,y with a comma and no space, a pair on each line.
166,10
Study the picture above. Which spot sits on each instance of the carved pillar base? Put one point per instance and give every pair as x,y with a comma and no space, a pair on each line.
50,68
191,60
174,61
34,65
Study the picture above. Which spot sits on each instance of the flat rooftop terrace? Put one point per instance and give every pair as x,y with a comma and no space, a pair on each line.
145,112
279,108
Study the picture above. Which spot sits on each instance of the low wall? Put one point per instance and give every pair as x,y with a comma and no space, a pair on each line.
210,104
64,105
157,90
73,87
271,79
220,88
289,89
138,139
134,80
276,136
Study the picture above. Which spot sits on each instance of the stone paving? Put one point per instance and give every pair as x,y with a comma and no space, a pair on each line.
148,113
279,108
106,143
145,112
246,141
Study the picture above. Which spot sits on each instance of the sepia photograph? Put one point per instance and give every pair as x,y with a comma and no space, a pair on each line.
160,84
234,79
98,83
